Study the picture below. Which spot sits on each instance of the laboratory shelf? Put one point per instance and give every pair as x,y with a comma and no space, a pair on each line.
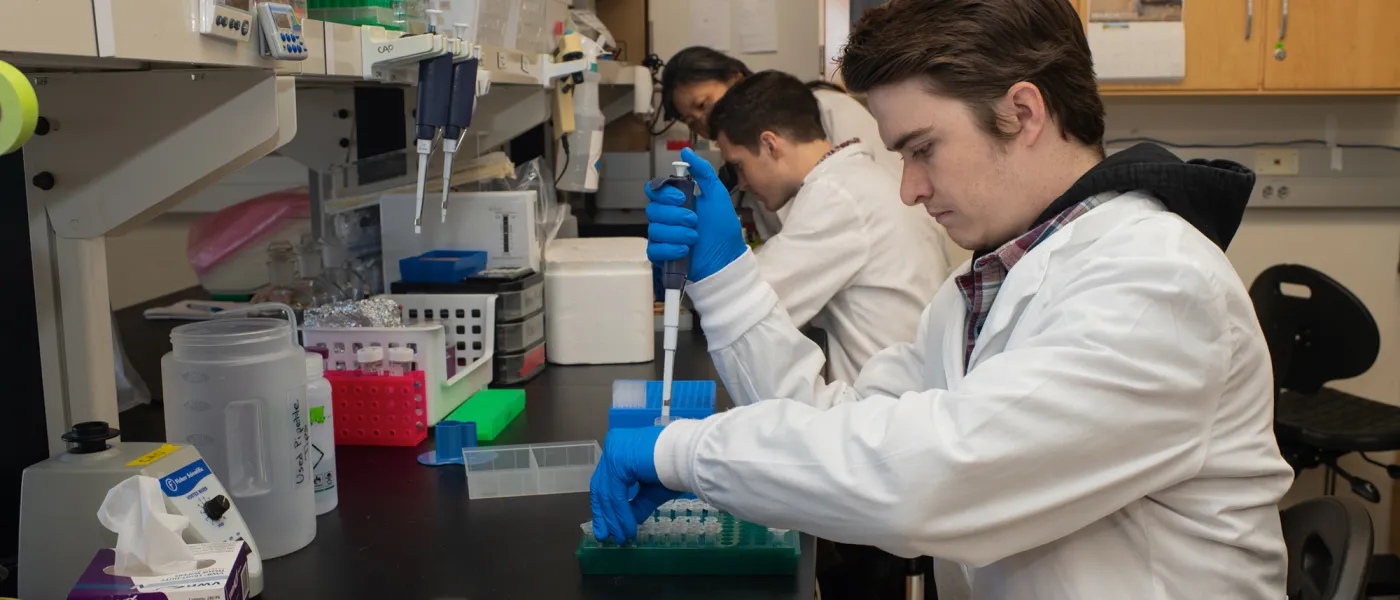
692,541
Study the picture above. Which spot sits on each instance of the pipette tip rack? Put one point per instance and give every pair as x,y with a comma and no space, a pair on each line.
690,537
637,403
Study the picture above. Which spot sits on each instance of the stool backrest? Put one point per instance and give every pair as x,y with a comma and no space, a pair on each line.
1317,330
1329,542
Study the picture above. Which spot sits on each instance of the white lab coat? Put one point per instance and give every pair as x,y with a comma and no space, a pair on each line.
1113,440
854,260
843,118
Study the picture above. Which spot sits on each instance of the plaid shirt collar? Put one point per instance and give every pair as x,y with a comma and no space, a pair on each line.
979,286
837,148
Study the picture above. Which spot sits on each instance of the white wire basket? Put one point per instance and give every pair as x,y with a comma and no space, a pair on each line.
438,328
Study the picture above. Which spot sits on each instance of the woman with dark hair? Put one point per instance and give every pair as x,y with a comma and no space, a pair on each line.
695,78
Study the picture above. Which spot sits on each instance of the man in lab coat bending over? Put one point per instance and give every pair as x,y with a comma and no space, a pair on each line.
851,259
1086,412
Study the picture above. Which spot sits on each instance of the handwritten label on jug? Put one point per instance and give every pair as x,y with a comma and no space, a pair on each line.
301,441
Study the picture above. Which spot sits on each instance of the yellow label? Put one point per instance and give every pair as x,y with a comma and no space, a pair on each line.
163,451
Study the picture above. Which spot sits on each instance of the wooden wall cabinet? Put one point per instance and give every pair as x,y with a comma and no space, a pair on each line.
1329,46
1341,45
1224,42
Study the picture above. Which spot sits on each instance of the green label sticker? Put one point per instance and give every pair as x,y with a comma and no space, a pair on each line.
318,415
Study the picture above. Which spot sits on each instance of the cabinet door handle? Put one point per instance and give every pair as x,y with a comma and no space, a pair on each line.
1279,52
1248,18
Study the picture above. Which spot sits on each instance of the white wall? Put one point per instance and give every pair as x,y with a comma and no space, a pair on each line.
149,262
799,35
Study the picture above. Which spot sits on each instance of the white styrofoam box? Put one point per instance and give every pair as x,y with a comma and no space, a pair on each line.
246,270
501,223
464,322
598,298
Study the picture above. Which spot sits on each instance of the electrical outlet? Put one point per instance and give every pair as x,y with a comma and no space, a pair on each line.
1276,161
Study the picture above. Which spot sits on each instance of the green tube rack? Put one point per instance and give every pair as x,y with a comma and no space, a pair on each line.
739,548
491,410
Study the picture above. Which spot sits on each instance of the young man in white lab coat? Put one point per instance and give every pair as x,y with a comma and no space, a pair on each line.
851,259
1087,410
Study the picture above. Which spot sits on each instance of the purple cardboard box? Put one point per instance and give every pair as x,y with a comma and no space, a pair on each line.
223,576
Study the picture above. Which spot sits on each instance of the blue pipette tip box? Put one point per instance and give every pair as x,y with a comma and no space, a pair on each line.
442,266
637,403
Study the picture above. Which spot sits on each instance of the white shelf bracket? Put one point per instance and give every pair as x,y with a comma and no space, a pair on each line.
385,53
124,147
156,138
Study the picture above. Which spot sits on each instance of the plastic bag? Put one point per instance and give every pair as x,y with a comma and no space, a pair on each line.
218,236
549,213
131,389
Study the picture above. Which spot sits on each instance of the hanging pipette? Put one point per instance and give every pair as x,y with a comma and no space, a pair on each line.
459,118
434,96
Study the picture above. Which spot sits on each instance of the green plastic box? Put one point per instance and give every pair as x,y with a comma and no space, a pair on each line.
491,410
741,548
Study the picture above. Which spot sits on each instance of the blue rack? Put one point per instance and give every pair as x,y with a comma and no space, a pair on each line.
689,400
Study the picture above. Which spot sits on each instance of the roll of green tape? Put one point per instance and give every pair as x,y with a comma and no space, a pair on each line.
19,109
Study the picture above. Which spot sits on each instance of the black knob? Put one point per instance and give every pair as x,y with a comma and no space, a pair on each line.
42,126
89,436
1366,490
344,142
342,114
216,507
44,181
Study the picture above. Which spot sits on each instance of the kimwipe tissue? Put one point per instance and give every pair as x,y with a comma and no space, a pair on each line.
148,536
151,560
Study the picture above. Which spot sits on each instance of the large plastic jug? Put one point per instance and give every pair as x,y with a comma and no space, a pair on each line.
235,388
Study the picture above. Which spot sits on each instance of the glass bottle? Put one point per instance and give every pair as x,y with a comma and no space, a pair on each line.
321,290
337,271
282,278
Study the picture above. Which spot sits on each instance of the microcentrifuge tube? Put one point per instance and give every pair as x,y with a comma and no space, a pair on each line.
371,360
400,361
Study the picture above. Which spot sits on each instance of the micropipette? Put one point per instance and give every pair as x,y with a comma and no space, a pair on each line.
434,95
459,118
673,275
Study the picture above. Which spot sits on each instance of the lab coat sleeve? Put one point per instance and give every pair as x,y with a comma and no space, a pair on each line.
820,249
760,354
1108,399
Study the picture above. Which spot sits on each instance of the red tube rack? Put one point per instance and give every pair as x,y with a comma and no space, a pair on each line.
378,410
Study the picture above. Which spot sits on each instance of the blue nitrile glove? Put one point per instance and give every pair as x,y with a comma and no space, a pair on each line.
711,235
627,463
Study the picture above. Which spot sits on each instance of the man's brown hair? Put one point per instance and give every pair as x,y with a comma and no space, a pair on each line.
768,101
975,50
